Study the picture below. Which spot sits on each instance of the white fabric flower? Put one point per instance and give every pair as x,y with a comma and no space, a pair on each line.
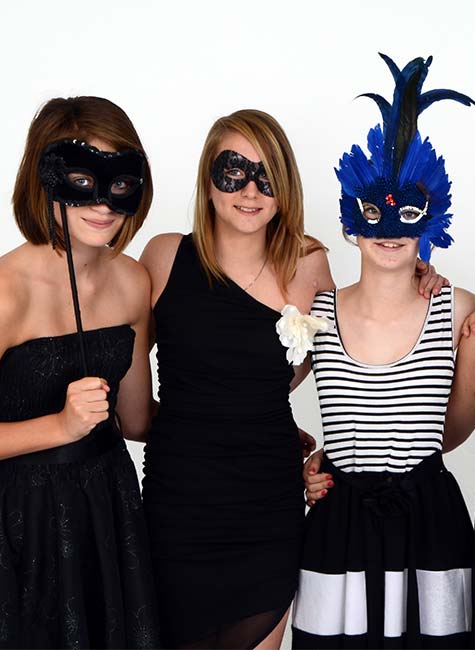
296,332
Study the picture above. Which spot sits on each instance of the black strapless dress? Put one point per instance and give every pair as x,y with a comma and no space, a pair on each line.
74,557
223,493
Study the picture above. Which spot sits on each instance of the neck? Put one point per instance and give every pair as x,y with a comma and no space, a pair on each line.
235,249
382,292
87,260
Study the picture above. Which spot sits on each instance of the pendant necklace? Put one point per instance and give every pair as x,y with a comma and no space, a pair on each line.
246,288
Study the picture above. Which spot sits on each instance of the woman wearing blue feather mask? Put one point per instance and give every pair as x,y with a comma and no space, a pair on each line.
388,554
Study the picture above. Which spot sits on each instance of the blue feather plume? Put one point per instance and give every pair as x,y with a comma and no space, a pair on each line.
401,165
400,117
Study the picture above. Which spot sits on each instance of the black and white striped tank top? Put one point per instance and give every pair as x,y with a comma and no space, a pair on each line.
384,417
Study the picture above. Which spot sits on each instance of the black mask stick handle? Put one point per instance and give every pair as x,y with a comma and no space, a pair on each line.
74,289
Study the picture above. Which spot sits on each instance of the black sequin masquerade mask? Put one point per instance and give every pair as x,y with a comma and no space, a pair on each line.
231,172
77,174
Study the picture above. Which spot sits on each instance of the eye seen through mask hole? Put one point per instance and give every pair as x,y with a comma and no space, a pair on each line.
236,173
81,181
124,185
412,214
370,212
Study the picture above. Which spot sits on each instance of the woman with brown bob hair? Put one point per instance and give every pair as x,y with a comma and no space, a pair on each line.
74,560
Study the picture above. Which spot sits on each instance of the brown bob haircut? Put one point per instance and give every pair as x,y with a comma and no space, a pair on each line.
286,241
84,118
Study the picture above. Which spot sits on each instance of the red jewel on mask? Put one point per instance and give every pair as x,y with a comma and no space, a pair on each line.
390,200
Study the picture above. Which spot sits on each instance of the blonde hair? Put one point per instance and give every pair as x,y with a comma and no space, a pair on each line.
82,118
286,241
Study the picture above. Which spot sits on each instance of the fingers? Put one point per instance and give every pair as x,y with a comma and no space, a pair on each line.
86,405
422,267
468,326
317,483
90,392
96,400
427,280
88,383
312,465
319,489
439,283
432,284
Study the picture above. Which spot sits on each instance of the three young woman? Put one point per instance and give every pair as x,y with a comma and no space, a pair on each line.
225,554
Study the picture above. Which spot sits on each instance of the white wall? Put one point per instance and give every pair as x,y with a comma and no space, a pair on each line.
177,65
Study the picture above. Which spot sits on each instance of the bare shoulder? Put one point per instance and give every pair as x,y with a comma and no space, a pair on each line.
134,281
14,296
158,257
160,251
315,269
464,302
132,272
464,305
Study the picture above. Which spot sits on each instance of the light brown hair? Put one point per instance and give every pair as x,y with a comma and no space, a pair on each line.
286,241
75,117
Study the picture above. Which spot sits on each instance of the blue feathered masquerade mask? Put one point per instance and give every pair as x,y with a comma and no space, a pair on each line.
402,190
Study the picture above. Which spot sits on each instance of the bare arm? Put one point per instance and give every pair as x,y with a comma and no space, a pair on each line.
460,418
300,372
134,403
158,257
317,274
313,276
86,405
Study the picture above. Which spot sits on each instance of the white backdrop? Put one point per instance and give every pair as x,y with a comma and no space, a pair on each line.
177,65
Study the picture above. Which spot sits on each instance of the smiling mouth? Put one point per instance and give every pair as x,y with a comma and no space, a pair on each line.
101,225
389,245
245,210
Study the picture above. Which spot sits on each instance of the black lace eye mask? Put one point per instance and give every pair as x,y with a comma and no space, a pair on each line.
231,172
75,173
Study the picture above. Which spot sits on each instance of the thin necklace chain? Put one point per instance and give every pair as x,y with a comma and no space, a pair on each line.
246,288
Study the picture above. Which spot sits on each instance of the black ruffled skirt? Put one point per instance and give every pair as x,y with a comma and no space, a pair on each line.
74,557
387,563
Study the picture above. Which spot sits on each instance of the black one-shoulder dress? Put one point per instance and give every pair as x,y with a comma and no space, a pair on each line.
223,493
74,557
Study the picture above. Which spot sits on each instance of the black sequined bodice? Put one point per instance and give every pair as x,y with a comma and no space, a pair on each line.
35,374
